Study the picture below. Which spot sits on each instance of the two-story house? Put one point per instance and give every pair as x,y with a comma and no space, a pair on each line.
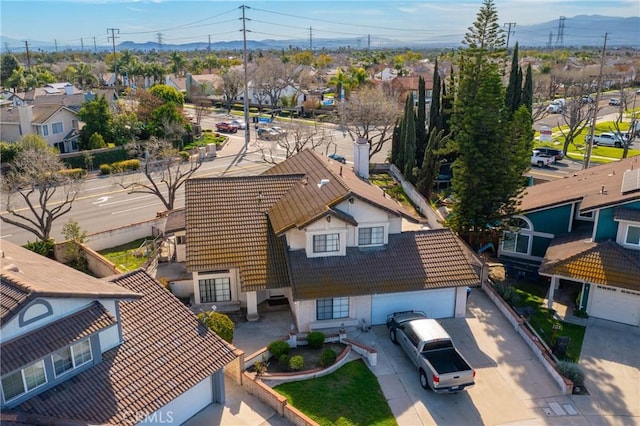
328,240
81,350
584,230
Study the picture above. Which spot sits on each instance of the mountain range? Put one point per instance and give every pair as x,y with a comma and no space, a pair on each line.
578,31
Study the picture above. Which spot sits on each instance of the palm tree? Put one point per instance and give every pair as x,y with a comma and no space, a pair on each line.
84,75
178,63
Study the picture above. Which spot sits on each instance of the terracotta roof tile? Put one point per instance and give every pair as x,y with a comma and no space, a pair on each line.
411,261
12,296
584,186
606,262
166,351
56,335
227,226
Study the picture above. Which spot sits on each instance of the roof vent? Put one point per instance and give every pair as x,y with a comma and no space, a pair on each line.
323,182
12,267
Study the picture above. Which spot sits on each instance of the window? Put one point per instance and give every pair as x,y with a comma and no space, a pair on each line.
74,124
515,242
215,290
633,235
42,130
24,380
338,307
370,236
56,128
71,357
326,243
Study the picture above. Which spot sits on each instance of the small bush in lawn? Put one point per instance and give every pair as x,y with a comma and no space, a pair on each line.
327,358
571,371
283,360
315,339
296,363
278,348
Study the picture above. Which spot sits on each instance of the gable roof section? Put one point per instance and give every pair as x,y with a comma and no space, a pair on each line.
310,200
605,263
412,261
26,277
585,186
228,227
165,352
56,335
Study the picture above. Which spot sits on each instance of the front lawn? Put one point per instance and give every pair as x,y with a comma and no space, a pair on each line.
530,298
130,256
349,396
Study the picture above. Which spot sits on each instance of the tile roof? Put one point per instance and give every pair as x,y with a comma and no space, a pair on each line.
56,335
227,227
411,261
310,200
584,186
22,269
165,352
578,257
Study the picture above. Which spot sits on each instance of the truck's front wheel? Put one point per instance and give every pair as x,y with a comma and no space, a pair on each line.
392,336
540,164
424,380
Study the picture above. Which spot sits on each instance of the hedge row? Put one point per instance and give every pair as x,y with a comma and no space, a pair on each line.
120,167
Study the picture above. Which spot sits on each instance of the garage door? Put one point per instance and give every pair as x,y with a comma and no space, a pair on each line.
435,303
615,304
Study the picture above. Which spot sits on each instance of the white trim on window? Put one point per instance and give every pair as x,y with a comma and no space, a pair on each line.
371,236
632,236
30,377
71,357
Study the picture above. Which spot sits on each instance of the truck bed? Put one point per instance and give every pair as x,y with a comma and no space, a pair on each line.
446,360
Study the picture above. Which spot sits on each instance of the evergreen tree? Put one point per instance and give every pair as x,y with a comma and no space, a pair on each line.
514,89
448,98
421,123
435,115
402,139
395,142
527,90
8,65
485,35
431,162
98,119
410,140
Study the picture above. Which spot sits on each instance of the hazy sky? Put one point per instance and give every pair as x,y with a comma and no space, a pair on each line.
176,22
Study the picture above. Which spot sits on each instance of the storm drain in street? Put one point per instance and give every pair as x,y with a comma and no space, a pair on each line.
556,409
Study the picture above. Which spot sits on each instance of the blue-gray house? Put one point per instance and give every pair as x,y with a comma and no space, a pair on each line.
584,231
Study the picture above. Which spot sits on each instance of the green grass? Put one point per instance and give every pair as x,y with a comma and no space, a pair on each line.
127,257
542,319
349,396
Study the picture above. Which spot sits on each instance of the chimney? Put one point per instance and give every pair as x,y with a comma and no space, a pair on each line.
68,89
25,112
361,157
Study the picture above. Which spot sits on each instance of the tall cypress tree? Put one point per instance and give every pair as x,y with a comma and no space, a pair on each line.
395,142
421,122
448,98
514,89
409,140
527,90
435,115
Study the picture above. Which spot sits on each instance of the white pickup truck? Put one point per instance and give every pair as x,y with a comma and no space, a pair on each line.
440,366
539,159
607,139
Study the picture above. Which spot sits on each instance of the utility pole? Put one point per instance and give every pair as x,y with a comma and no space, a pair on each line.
95,46
115,59
247,127
209,46
310,38
587,157
369,42
509,24
55,43
26,46
81,44
550,43
560,35
159,35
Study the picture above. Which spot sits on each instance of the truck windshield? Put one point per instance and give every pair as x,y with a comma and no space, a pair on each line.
438,344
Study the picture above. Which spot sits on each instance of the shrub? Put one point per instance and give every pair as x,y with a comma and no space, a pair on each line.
278,348
74,173
44,248
315,339
184,155
220,323
260,366
125,166
283,360
508,294
296,363
327,358
105,169
571,371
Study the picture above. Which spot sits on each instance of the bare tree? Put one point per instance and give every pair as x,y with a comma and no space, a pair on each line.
272,77
371,115
296,137
37,190
576,116
232,85
628,136
164,169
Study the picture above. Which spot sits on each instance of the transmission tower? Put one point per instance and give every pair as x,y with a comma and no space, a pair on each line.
560,35
159,36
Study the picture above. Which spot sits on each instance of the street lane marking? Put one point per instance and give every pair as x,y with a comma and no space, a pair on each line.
137,208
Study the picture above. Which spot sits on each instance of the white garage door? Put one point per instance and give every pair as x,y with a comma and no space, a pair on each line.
615,304
435,303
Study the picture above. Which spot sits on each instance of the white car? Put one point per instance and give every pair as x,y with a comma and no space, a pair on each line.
240,123
614,101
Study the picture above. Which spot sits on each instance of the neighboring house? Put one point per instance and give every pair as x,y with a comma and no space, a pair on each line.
405,85
82,350
51,90
15,99
314,232
58,125
584,230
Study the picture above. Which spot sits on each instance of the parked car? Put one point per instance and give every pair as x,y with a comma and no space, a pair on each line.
614,101
226,127
338,158
541,160
267,134
606,139
280,130
557,154
557,106
587,99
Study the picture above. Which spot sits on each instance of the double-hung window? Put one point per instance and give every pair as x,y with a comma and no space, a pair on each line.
215,289
633,235
57,128
371,236
325,243
337,307
24,380
42,130
71,357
